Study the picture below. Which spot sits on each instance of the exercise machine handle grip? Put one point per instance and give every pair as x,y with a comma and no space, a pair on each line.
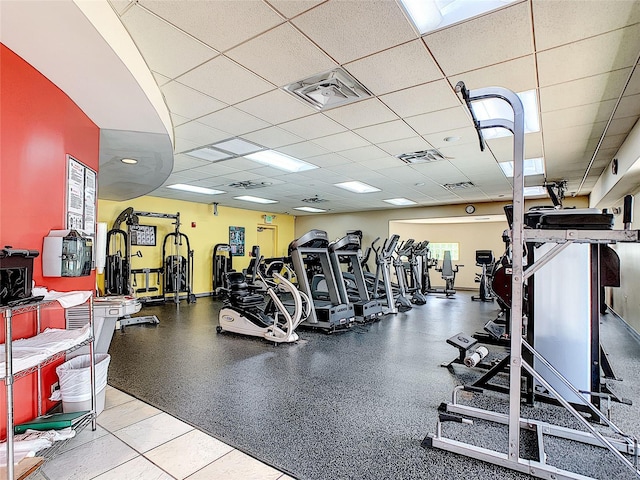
627,212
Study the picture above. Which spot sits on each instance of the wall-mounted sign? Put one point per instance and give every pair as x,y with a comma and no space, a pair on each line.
236,241
81,197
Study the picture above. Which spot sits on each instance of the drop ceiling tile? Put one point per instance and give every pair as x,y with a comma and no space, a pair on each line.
242,163
464,135
199,133
584,91
165,48
178,119
502,148
272,137
188,102
341,141
613,141
440,172
362,114
291,56
160,79
493,38
313,126
225,80
440,121
581,115
467,153
400,67
179,177
120,5
382,163
634,83
566,63
233,121
578,134
185,162
518,75
386,132
621,126
351,30
267,174
289,9
629,106
588,18
221,28
303,150
276,106
405,145
244,176
402,173
217,169
364,154
327,160
182,145
425,98
324,175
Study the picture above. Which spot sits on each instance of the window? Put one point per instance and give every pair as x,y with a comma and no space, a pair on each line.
437,250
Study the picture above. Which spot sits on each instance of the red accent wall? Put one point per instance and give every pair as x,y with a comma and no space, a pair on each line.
39,126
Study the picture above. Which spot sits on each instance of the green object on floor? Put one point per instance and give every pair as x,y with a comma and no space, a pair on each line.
54,421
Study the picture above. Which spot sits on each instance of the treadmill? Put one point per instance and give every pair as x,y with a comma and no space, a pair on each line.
329,314
345,250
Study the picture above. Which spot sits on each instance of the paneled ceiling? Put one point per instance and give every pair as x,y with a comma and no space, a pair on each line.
222,65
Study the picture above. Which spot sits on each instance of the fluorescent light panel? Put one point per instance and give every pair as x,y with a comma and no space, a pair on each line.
194,189
281,161
209,154
249,198
310,209
238,146
400,201
494,108
532,166
429,15
357,187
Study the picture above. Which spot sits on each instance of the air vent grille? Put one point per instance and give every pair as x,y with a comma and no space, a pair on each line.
458,186
423,156
249,185
315,199
329,89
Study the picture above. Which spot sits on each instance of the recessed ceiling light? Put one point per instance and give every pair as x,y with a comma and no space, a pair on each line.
195,189
429,15
400,201
310,209
238,146
281,161
357,187
534,191
494,108
129,161
208,153
532,166
249,198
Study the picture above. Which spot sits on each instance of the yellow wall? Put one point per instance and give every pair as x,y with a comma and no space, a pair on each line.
209,231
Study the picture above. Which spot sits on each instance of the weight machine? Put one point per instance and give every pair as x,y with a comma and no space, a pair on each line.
524,357
484,260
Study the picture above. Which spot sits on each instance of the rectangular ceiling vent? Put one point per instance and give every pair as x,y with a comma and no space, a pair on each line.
329,89
315,199
249,185
458,186
423,156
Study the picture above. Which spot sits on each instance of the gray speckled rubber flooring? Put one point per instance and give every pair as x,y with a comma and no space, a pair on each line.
352,405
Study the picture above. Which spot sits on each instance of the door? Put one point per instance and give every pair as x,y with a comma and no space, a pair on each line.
267,240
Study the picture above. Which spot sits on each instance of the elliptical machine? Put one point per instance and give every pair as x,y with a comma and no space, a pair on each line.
242,312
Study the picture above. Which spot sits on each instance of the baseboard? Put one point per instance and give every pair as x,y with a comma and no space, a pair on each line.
634,333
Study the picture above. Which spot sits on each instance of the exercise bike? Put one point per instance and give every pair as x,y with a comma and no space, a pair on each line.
484,259
243,310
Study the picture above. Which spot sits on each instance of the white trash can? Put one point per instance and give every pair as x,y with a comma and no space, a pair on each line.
75,383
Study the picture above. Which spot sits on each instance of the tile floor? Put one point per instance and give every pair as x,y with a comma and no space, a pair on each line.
137,441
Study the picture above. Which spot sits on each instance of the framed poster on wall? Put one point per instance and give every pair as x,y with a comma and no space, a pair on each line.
236,241
81,197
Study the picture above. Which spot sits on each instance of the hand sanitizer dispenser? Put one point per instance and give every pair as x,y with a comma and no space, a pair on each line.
66,253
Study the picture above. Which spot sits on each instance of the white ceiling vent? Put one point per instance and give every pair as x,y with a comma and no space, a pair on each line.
329,89
249,185
423,156
458,186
